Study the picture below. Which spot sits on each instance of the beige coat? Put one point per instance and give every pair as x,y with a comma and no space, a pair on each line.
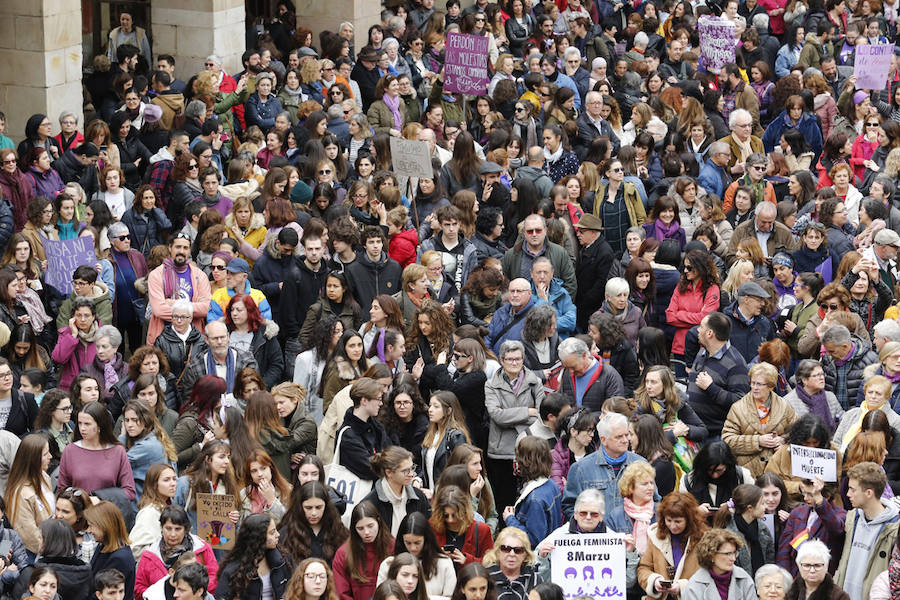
332,420
659,563
743,428
29,513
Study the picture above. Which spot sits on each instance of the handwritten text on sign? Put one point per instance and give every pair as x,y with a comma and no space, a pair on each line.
411,158
63,257
465,68
810,463
871,65
213,524
591,564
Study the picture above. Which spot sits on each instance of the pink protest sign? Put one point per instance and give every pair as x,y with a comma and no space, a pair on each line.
465,68
871,65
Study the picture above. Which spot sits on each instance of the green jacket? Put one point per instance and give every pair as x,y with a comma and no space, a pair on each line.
636,213
102,306
222,109
563,268
382,119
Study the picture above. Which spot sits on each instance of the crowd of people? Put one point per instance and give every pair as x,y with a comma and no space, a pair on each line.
631,284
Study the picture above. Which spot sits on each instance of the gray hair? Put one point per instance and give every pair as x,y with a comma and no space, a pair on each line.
363,121
287,114
641,40
609,421
511,346
266,75
67,113
616,286
111,333
394,24
593,96
757,158
195,109
572,347
836,334
815,548
572,51
772,569
183,305
717,147
591,496
341,26
737,114
214,59
888,329
637,230
761,21
887,183
335,111
598,63
392,41
762,208
116,229
538,320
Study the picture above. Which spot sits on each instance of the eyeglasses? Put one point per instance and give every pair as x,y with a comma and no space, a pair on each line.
217,267
513,359
459,355
65,408
122,238
584,514
618,170
831,306
324,171
403,402
316,576
534,231
74,491
759,167
731,554
347,112
47,211
520,109
209,64
688,267
6,374
479,19
758,384
182,317
514,549
812,567
9,161
872,124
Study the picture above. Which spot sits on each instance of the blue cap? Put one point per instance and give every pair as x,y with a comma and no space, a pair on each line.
237,265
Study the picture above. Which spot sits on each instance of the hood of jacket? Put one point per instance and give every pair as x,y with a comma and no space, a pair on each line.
257,221
163,154
171,99
531,173
812,38
270,331
821,100
409,235
363,259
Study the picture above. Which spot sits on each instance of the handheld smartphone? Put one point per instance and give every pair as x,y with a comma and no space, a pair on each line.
5,549
448,548
665,584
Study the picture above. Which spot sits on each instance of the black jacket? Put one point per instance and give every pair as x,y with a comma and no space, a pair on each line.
76,581
303,287
587,131
146,229
7,225
178,354
369,279
417,502
267,351
591,272
279,574
71,170
23,413
367,80
607,384
451,440
746,339
121,394
268,272
131,149
486,248
359,441
624,359
469,389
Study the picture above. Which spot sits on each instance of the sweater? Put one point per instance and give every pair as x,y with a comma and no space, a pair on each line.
122,560
93,470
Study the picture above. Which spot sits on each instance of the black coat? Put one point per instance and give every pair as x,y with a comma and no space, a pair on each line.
279,574
587,131
746,339
178,354
267,351
23,413
268,272
608,383
121,394
369,279
359,442
131,149
624,359
469,389
303,287
417,502
451,440
591,272
76,581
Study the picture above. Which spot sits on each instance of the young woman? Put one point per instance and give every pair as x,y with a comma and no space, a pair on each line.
254,569
657,396
146,221
105,523
648,439
393,494
70,506
211,473
312,525
416,538
357,560
870,296
481,496
454,525
474,582
345,365
336,300
43,583
405,416
749,249
538,509
96,460
813,254
145,440
430,334
159,490
67,226
696,296
446,431
406,570
664,222
266,429
196,418
746,520
29,495
264,489
714,477
309,366
575,440
312,580
55,420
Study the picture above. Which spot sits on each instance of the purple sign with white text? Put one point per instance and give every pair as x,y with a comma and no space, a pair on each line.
717,42
465,67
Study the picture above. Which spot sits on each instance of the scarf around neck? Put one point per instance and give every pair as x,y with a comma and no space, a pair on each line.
170,279
229,368
394,105
553,157
817,403
665,232
89,336
641,515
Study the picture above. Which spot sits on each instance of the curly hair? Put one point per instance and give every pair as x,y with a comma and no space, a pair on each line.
632,474
537,322
388,415
249,549
704,267
610,330
441,327
295,589
713,539
834,290
140,355
680,505
320,339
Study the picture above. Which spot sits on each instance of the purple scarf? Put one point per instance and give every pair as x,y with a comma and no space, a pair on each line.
170,279
723,582
665,232
843,361
817,403
394,105
895,378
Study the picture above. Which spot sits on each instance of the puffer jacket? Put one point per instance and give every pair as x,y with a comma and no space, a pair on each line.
151,567
267,351
76,580
47,183
508,411
179,353
743,427
269,271
745,338
146,228
863,356
262,114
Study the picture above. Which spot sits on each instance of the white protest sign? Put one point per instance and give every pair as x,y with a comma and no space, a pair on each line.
871,65
591,564
411,158
810,463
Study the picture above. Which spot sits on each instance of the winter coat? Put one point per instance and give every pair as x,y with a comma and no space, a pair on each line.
477,540
470,390
97,370
780,239
30,512
47,183
382,119
507,325
337,375
687,309
743,427
344,586
262,114
450,440
253,239
607,383
402,247
870,310
131,149
863,356
359,441
851,418
146,228
71,353
702,587
567,164
122,560
151,567
415,502
76,580
370,278
267,351
808,125
658,562
827,528
179,353
162,310
809,344
508,411
745,338
279,575
469,254
591,273
559,259
197,368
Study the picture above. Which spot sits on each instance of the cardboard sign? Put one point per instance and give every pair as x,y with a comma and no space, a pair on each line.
411,158
871,65
810,463
717,42
64,257
465,67
591,564
213,524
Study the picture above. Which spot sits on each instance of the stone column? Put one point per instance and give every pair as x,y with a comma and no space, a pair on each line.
321,15
191,30
40,42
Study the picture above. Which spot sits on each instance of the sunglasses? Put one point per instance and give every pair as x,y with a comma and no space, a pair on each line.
831,306
872,124
520,109
217,267
194,166
534,231
688,267
324,171
514,549
617,170
9,161
122,238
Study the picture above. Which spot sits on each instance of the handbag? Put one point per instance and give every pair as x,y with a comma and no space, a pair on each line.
140,309
345,482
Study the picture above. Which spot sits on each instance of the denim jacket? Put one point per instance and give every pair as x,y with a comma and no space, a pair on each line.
593,471
539,512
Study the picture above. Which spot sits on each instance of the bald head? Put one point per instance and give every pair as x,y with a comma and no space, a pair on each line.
217,339
536,156
519,293
427,135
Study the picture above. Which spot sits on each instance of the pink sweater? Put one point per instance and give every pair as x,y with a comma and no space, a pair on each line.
93,470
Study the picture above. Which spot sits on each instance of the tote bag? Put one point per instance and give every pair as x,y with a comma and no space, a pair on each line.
345,482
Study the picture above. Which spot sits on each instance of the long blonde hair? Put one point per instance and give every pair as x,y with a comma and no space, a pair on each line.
732,283
672,400
453,419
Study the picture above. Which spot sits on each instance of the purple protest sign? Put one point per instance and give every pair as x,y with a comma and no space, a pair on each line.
871,65
62,259
465,67
717,42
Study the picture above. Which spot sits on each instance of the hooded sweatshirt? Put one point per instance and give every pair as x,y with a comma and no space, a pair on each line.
865,536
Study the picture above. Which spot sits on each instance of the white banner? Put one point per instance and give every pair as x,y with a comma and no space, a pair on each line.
810,463
591,564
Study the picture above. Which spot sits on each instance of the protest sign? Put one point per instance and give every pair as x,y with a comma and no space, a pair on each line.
64,257
717,42
591,564
871,65
213,524
810,463
465,67
411,158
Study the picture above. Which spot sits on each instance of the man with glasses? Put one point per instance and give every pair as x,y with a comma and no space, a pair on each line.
361,434
754,178
749,326
592,125
218,359
517,263
772,236
177,278
85,284
509,320
587,379
742,143
714,177
129,265
844,362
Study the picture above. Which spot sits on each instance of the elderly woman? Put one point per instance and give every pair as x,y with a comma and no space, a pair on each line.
810,395
889,366
108,367
716,554
812,561
511,564
512,398
179,339
587,518
75,345
755,425
262,106
618,305
772,582
671,557
877,393
833,297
